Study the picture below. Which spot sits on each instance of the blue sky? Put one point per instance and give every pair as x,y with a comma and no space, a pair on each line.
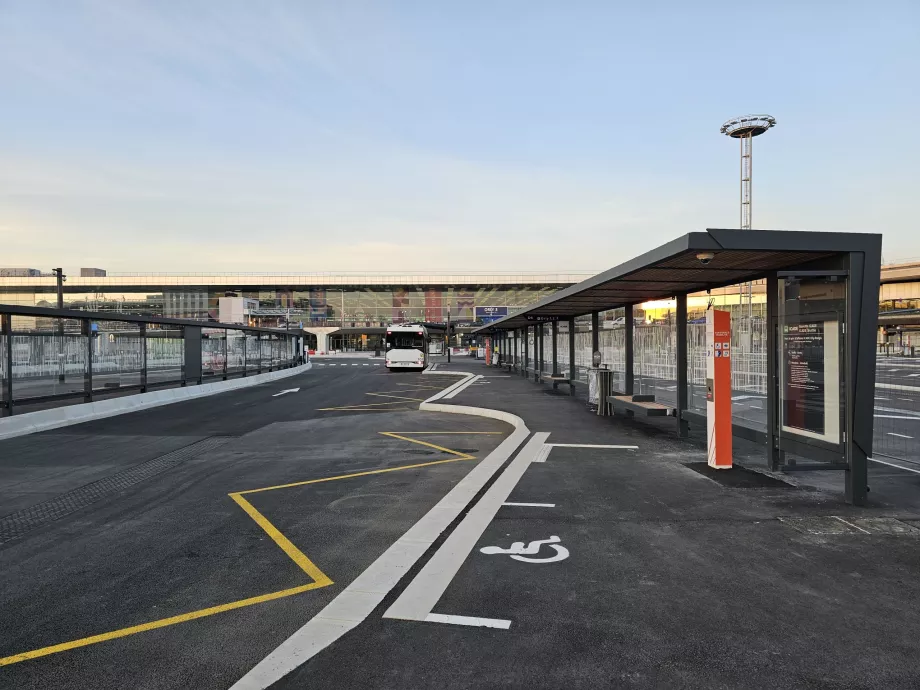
322,136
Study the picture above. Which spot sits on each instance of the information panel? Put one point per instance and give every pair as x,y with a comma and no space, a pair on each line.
803,404
811,379
489,314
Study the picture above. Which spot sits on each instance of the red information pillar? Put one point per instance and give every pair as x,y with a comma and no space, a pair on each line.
719,388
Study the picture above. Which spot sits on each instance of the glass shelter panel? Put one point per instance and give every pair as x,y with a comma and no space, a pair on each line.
811,362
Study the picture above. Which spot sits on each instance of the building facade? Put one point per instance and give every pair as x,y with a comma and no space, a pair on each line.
321,300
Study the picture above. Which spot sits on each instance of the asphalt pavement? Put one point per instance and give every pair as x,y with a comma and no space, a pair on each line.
611,558
216,543
176,547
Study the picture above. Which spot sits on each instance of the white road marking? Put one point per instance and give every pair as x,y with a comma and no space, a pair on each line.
356,602
531,505
420,597
468,620
912,376
288,390
365,365
897,387
354,365
891,433
521,552
894,416
746,397
891,464
878,397
850,524
588,445
461,387
899,410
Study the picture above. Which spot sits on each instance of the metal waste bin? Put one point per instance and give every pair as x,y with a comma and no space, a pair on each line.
603,388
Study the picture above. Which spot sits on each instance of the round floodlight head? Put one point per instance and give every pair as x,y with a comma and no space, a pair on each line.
748,126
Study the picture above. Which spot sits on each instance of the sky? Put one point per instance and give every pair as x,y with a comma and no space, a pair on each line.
229,135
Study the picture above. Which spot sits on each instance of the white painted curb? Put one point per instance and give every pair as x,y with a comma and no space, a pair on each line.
43,420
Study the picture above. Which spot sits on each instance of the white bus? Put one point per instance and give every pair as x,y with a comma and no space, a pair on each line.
407,347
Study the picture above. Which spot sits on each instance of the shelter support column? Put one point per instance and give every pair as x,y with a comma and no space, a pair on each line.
572,354
775,458
555,334
860,337
526,353
6,329
538,346
628,374
87,331
682,426
595,333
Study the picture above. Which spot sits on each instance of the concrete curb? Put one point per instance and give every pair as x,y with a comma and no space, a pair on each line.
43,420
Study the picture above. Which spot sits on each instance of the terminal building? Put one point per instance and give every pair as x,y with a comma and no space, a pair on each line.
350,311
342,311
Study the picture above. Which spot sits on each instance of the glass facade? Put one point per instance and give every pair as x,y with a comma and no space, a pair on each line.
365,301
344,305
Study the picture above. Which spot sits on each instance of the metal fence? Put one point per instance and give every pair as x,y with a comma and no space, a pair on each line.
897,407
49,355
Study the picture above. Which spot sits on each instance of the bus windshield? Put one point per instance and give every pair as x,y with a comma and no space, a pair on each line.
405,341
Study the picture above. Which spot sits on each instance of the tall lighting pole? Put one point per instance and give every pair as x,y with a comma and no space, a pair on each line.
59,272
745,129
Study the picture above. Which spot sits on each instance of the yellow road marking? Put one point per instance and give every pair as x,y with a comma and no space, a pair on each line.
295,554
358,407
398,397
358,474
320,579
153,625
391,434
417,388
365,409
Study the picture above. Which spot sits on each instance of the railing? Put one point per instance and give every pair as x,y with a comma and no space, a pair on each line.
50,356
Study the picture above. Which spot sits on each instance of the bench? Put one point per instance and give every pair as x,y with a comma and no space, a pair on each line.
640,404
556,380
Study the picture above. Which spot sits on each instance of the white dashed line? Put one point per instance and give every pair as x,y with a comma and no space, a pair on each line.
891,464
891,433
468,620
588,445
531,505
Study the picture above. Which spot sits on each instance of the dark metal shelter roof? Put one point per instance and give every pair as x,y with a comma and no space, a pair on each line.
674,268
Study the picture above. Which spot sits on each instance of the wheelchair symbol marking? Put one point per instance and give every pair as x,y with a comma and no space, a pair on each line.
519,552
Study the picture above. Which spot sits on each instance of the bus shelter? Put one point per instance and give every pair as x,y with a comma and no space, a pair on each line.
819,327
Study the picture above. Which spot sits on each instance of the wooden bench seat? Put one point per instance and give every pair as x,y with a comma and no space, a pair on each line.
640,404
557,379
